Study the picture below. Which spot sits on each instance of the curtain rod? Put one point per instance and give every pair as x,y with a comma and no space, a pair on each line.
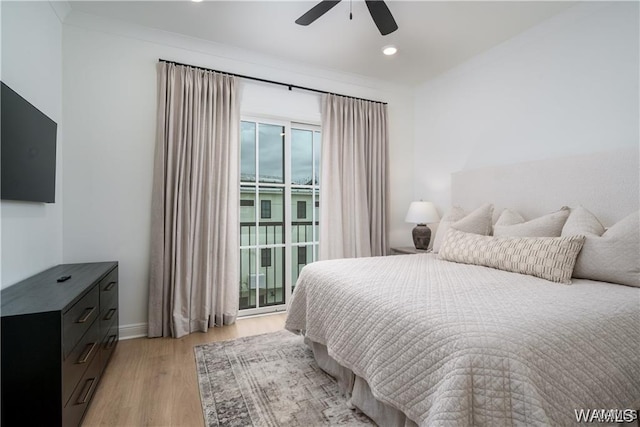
290,86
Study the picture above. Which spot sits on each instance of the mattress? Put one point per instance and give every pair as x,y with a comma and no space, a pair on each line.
451,344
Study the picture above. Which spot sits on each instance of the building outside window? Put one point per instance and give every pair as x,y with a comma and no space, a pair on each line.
279,210
265,209
302,209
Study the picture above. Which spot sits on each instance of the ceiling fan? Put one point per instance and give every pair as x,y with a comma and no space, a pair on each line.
377,8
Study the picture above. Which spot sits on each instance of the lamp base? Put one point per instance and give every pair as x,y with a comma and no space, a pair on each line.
421,236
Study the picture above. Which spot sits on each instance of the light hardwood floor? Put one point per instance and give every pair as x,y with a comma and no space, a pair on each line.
153,382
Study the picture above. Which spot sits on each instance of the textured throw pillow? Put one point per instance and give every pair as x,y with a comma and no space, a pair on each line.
581,221
478,222
509,217
551,258
611,256
546,226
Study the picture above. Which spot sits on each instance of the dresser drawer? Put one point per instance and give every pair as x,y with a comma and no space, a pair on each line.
79,359
107,317
77,404
109,291
77,320
109,343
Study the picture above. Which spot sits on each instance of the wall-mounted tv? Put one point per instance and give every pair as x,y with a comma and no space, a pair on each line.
28,140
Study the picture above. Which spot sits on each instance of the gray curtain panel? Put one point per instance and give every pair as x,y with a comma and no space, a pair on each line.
354,182
194,228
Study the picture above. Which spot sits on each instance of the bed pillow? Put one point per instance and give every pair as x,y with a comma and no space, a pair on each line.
478,222
455,214
509,217
581,221
546,226
551,258
611,256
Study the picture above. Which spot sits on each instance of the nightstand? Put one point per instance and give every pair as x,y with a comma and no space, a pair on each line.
403,250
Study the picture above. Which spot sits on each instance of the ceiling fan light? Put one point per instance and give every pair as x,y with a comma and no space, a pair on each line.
389,50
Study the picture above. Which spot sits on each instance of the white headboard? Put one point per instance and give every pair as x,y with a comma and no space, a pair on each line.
607,184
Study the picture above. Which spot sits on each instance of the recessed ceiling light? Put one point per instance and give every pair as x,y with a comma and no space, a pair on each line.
389,50
196,1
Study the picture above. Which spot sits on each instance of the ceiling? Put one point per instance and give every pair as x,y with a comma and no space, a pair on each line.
433,36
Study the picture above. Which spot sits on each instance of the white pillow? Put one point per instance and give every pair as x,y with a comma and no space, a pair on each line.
477,222
546,226
509,217
456,213
611,256
581,221
551,258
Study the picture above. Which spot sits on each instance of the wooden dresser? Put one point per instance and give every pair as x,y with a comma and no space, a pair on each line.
57,338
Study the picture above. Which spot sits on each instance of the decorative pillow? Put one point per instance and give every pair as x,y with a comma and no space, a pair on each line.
581,221
478,222
611,256
509,217
455,214
551,258
546,226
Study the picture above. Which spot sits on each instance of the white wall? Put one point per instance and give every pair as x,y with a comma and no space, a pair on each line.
567,86
31,65
109,91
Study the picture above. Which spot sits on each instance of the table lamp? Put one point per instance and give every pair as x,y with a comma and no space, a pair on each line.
422,213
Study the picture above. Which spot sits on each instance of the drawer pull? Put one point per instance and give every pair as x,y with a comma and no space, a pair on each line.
86,314
86,353
111,342
110,286
110,314
86,391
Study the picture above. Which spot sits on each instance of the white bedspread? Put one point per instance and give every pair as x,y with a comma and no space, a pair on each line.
452,344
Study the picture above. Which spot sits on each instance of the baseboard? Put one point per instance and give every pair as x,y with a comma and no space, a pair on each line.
135,330
139,330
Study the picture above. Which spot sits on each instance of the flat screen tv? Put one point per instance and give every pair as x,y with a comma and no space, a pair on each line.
28,139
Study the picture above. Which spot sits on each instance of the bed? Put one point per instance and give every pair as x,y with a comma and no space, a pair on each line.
416,340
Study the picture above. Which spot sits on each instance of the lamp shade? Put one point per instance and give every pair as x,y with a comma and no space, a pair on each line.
422,213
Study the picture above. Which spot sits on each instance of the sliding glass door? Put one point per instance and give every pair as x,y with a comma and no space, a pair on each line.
279,205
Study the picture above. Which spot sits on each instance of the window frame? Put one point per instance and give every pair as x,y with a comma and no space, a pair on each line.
287,186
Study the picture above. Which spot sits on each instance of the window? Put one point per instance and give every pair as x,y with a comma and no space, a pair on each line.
279,193
302,255
265,254
302,209
265,209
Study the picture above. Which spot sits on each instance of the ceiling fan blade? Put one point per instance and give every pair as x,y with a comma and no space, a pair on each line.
382,16
317,11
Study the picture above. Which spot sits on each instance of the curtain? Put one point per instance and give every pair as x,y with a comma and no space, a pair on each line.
354,183
194,222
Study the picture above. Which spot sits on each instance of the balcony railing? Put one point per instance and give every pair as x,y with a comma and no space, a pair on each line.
267,283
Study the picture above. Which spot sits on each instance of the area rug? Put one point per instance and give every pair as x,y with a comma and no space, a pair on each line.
269,380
